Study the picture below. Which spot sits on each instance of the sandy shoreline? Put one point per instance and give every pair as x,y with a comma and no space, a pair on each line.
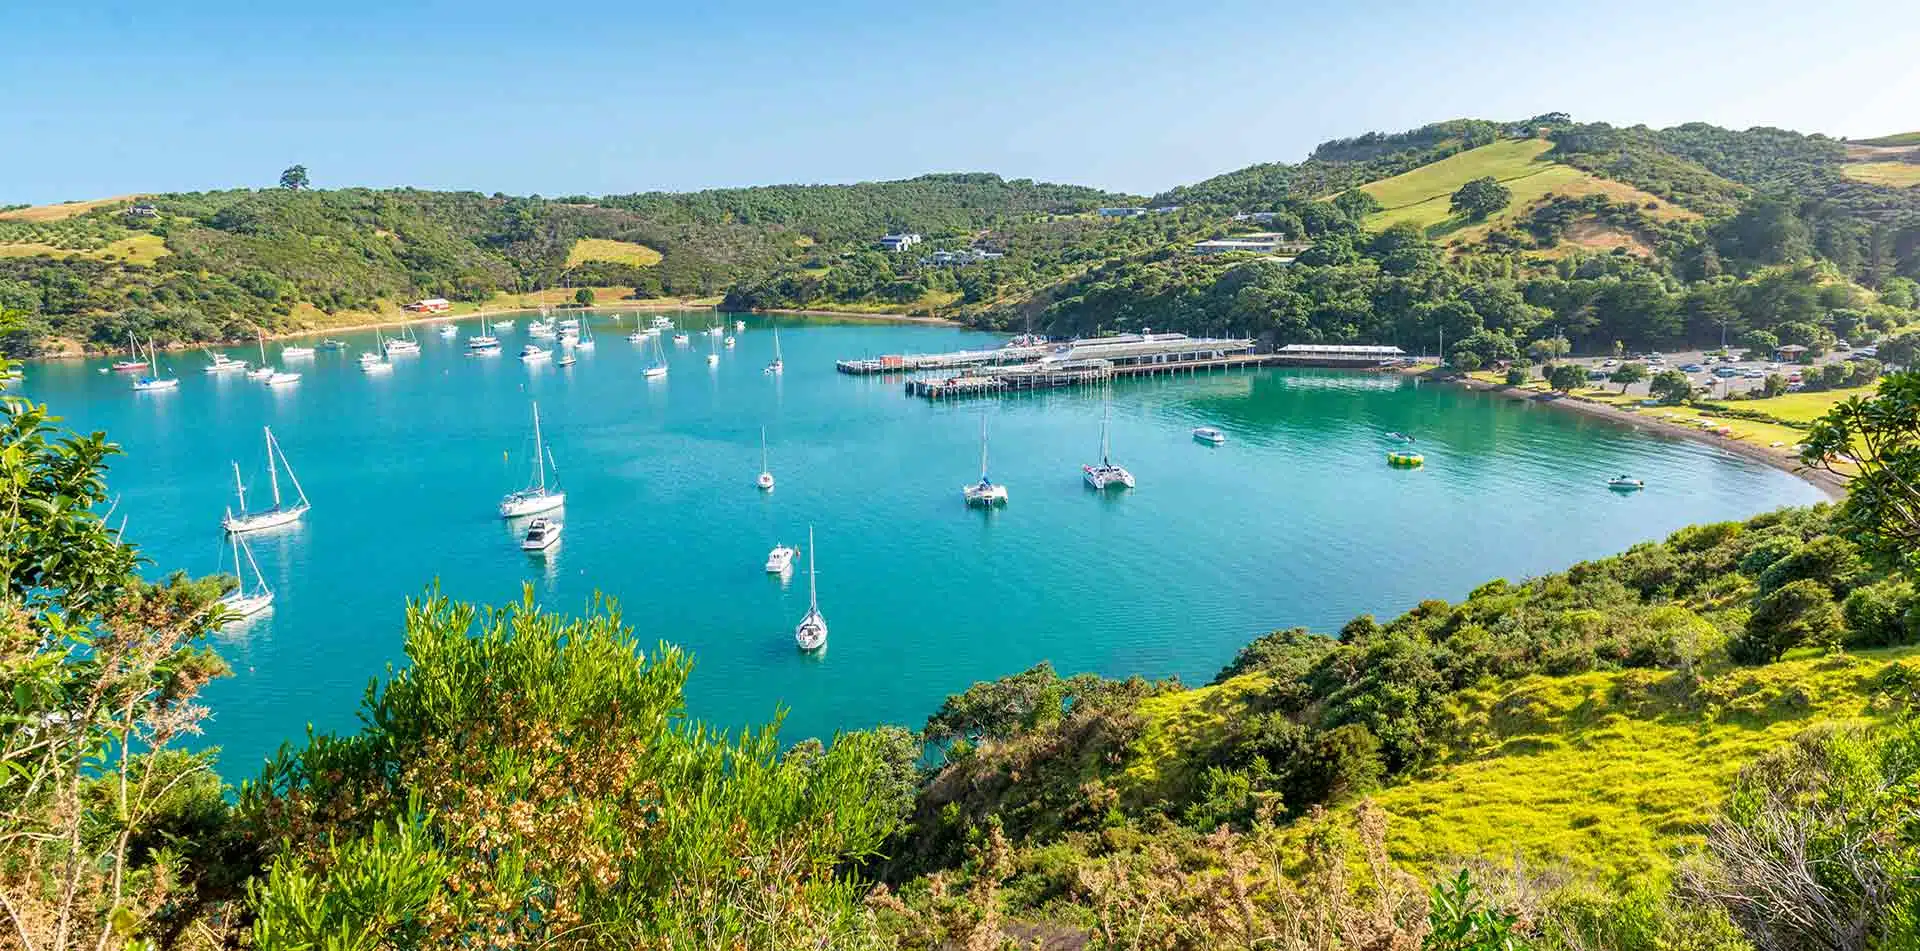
642,305
1835,487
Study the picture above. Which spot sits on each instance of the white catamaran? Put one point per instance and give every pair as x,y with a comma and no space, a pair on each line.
1107,474
239,521
811,633
765,482
536,497
984,492
241,603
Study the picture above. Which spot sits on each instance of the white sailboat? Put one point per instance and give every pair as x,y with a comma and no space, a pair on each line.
265,369
739,325
449,331
681,340
777,366
484,341
536,497
295,353
713,330
765,482
586,341
658,371
1107,474
639,334
984,492
155,381
241,521
729,342
713,353
404,344
241,603
811,633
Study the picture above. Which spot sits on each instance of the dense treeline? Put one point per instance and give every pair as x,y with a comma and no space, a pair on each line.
242,261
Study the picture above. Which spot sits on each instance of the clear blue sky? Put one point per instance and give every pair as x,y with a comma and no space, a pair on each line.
599,97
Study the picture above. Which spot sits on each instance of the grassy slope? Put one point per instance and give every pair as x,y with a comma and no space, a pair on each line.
1619,769
1902,138
139,249
60,212
1421,195
1895,174
1613,773
616,252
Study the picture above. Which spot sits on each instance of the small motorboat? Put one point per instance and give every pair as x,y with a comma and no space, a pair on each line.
728,343
1210,435
296,353
780,559
1626,483
332,344
542,533
566,361
571,323
534,354
682,339
449,331
223,364
1403,437
662,323
282,378
656,373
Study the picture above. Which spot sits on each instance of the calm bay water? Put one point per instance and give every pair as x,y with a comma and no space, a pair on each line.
1296,520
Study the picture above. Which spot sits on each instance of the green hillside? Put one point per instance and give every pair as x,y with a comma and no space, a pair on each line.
1421,196
1900,138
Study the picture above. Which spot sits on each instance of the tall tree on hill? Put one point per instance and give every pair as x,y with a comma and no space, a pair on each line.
1882,436
295,178
1479,198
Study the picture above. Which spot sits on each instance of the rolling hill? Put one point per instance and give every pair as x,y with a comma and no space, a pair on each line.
1421,196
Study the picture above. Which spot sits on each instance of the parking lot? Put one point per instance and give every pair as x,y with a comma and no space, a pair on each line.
1719,376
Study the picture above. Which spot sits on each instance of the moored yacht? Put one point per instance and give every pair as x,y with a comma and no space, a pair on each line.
777,366
780,559
1626,483
660,322
811,633
223,363
1209,435
238,520
533,353
536,497
1106,474
241,603
281,378
154,381
985,492
542,533
765,481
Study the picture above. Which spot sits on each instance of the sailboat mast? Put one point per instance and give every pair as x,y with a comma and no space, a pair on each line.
273,470
983,449
813,591
238,572
240,488
539,457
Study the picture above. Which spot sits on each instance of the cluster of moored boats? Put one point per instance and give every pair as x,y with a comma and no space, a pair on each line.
568,337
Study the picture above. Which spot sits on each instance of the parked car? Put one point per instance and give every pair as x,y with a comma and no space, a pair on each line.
1691,368
1596,374
1726,372
1610,363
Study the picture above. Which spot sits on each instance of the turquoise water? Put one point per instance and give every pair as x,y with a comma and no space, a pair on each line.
1296,520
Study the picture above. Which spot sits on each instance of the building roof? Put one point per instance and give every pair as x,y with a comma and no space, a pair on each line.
1790,348
1340,350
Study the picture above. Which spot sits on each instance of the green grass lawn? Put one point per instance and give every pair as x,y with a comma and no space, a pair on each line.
1615,773
1896,174
614,252
1422,195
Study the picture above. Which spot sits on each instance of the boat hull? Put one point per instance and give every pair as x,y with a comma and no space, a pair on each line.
521,506
984,495
242,524
238,606
1106,477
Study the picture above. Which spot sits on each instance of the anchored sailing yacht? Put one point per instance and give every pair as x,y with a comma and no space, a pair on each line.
242,521
658,371
129,366
739,325
155,381
535,498
811,633
241,603
777,365
483,341
713,355
984,492
639,334
402,344
765,482
1106,474
449,331
586,337
780,559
